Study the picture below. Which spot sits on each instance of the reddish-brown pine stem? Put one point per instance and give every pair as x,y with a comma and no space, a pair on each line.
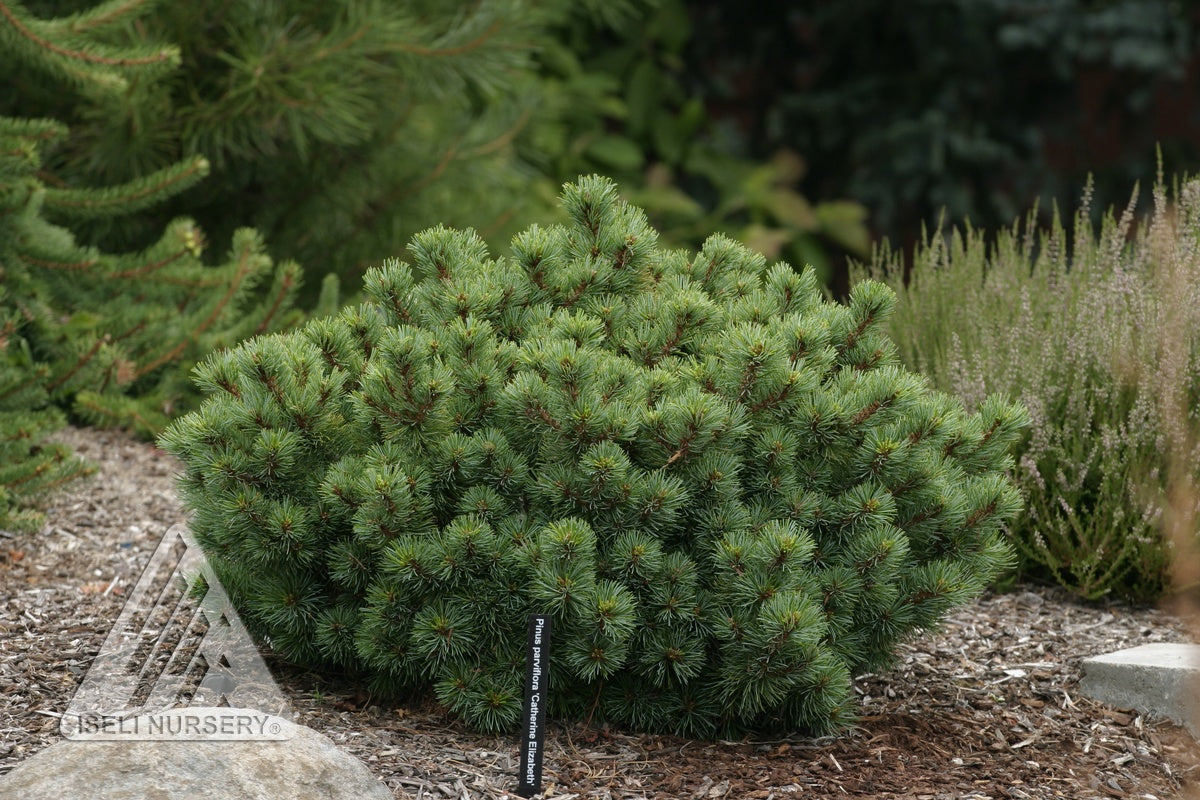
234,284
197,165
126,414
500,141
325,52
748,378
84,359
43,468
541,413
101,20
474,44
277,303
924,515
866,413
578,291
684,446
153,266
852,337
77,266
773,399
672,341
981,513
988,434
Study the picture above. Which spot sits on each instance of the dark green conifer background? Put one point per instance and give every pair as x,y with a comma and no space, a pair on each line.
338,130
109,336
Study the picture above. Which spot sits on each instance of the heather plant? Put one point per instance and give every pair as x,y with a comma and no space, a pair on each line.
1097,333
723,488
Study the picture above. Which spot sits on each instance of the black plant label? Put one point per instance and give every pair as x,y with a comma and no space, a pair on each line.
533,731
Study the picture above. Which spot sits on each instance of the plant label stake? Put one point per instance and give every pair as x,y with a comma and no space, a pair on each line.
533,732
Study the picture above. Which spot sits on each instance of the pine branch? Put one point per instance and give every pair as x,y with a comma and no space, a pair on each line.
503,140
565,474
353,38
852,337
775,398
90,56
871,409
30,379
70,266
448,155
79,364
102,16
244,269
130,197
152,266
278,301
444,52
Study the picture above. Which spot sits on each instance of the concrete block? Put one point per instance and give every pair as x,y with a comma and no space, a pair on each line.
1161,679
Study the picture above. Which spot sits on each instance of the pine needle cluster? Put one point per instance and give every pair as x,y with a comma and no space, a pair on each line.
721,486
30,466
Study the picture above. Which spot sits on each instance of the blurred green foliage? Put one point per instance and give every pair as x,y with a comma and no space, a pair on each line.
631,108
340,130
971,107
336,129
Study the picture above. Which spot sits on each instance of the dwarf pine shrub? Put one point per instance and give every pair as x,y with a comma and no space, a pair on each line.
1098,335
721,486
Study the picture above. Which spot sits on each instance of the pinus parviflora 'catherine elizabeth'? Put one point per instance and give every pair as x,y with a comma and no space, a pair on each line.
721,486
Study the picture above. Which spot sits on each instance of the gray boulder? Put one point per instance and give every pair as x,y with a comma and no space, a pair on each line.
297,763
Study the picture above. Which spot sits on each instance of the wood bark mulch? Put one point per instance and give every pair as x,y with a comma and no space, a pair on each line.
986,707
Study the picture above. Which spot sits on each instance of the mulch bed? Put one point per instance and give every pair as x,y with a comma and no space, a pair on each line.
986,707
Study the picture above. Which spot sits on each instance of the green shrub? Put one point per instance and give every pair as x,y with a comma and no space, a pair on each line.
722,487
1098,335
